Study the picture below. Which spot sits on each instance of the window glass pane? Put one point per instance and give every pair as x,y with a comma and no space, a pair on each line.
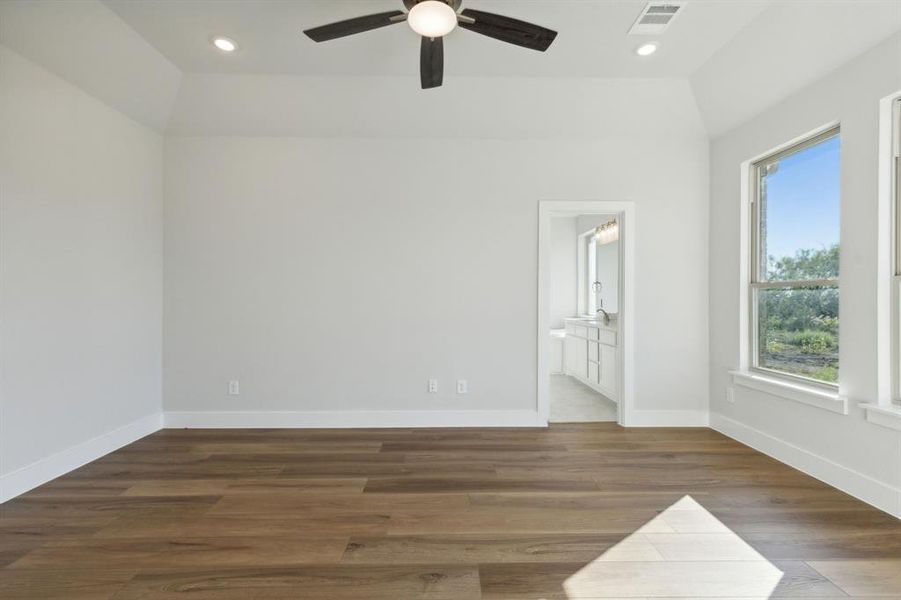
799,214
798,331
897,167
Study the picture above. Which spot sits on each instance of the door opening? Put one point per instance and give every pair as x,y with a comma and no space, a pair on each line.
584,352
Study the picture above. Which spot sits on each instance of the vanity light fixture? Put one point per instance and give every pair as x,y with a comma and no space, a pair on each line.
225,44
607,233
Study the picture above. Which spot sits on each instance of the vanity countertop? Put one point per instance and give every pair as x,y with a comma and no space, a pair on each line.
596,323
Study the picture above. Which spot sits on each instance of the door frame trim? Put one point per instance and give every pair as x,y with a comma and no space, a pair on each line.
628,224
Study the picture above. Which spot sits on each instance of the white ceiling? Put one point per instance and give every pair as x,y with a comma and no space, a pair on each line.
88,45
720,63
592,40
789,46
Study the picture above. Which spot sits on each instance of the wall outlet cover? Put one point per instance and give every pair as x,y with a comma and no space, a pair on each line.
462,386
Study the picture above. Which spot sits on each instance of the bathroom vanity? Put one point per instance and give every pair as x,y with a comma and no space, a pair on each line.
590,354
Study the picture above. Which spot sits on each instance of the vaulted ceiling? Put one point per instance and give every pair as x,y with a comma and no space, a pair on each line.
719,63
592,40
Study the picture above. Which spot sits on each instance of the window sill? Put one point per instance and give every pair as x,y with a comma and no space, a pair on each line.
887,416
805,394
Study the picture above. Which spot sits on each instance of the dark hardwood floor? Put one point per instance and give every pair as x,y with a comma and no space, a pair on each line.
573,511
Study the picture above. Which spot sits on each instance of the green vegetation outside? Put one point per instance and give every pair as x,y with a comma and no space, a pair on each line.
799,327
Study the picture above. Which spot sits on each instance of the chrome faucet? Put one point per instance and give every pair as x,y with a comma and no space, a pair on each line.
606,315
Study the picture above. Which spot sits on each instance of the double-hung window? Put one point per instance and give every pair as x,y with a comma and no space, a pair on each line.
794,283
896,267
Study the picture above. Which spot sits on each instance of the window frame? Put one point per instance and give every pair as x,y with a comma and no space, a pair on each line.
755,281
896,250
583,300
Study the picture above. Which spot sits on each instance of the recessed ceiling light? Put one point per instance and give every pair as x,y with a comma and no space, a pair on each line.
646,49
225,44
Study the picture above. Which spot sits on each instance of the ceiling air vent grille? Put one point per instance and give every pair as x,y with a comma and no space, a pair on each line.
656,17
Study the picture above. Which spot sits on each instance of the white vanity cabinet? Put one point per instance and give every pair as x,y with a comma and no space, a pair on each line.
590,355
576,356
607,377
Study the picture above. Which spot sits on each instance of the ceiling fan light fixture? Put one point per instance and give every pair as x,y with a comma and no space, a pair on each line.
432,19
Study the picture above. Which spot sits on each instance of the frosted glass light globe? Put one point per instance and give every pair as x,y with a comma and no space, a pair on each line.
432,19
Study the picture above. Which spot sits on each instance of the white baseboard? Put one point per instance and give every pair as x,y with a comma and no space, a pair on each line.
881,495
335,419
40,472
667,418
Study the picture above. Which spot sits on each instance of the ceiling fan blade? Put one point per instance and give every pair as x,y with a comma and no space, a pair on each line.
431,62
508,30
340,29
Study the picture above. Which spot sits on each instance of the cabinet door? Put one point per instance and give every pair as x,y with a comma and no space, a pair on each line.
593,372
570,355
608,368
582,358
593,351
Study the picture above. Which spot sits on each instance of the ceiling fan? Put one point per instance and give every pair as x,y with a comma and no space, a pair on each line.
433,19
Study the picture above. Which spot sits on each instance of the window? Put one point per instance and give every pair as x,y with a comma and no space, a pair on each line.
794,267
588,281
592,285
896,268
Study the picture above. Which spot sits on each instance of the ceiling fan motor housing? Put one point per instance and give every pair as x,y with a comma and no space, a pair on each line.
454,4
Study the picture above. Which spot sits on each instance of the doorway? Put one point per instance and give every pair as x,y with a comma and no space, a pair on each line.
585,320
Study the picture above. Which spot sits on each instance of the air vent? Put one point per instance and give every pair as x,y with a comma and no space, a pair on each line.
656,17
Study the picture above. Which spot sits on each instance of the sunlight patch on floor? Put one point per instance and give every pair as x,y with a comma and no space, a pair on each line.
683,552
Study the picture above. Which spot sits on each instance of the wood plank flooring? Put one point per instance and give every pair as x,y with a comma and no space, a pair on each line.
573,511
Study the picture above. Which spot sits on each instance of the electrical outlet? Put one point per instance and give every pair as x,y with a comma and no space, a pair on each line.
234,388
730,395
462,386
433,386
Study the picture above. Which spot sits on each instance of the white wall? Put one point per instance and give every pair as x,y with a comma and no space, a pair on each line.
564,270
268,280
850,95
80,266
503,108
585,223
